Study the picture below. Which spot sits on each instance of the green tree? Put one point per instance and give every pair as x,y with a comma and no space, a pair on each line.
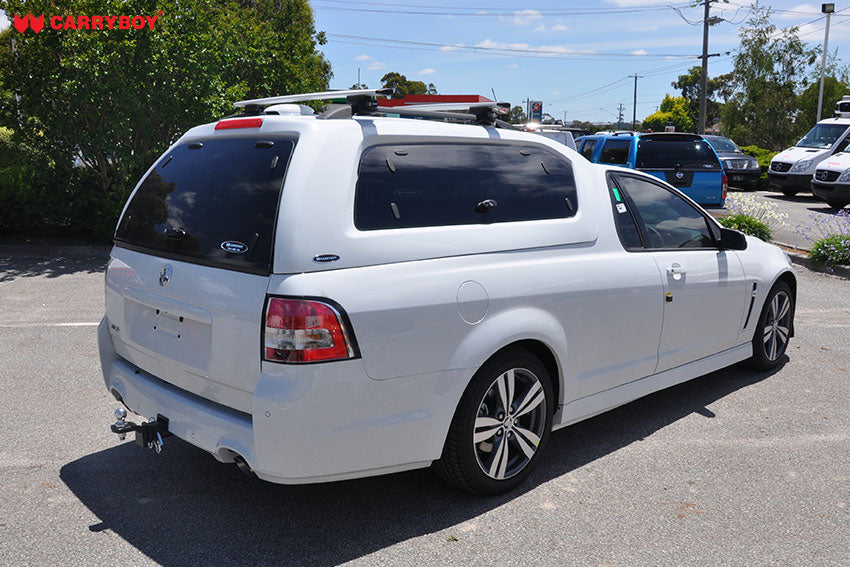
401,86
674,111
833,90
719,87
769,72
116,98
517,115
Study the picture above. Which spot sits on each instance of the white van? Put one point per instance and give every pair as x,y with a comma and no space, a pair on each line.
791,170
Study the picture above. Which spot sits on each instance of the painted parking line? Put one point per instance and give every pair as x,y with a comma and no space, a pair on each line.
33,325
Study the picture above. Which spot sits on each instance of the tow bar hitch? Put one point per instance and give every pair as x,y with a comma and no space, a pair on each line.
148,434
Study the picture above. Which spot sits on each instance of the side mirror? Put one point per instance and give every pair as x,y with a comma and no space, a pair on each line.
731,239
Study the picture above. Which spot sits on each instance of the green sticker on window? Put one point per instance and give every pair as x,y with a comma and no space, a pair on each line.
616,194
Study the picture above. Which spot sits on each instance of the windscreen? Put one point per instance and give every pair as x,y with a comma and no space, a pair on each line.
660,153
725,145
211,202
822,136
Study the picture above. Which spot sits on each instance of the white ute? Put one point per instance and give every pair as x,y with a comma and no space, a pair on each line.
791,170
328,297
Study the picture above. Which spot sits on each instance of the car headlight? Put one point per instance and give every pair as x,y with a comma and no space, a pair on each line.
845,177
802,165
753,163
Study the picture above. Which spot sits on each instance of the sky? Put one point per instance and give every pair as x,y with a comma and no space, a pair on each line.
575,56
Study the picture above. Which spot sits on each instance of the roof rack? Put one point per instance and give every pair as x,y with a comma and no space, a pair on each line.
363,103
486,113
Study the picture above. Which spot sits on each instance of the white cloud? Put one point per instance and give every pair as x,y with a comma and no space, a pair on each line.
363,57
555,93
807,8
377,66
544,50
490,44
454,47
427,71
4,21
513,66
540,28
643,52
559,27
523,17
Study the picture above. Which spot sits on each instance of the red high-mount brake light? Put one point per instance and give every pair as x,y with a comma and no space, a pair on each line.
725,189
229,124
300,330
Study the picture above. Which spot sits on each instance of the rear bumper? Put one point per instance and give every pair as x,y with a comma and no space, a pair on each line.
790,181
831,191
311,423
743,178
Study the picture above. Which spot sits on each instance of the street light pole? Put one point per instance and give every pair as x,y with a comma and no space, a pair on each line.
704,77
827,9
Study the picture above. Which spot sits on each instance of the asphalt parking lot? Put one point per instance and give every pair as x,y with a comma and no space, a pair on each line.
734,468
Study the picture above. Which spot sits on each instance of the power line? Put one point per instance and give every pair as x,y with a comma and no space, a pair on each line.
505,49
437,10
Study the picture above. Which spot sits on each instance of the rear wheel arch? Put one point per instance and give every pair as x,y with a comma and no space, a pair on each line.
462,462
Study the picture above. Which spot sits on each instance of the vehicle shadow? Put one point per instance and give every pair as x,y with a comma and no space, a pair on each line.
22,267
798,198
184,508
823,208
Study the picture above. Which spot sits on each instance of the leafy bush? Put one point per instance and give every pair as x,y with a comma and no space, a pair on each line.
753,206
747,225
832,250
830,237
763,156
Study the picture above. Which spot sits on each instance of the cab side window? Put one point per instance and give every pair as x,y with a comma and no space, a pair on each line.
666,220
587,148
615,151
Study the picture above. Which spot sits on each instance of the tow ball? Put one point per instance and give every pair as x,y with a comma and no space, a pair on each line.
148,434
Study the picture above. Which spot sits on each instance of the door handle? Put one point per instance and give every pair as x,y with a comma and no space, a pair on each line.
676,271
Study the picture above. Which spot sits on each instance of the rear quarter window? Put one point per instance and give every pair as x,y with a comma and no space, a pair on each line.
213,202
418,185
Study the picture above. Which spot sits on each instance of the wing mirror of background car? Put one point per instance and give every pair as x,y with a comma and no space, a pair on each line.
731,239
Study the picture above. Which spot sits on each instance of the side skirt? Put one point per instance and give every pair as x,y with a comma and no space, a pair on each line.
589,406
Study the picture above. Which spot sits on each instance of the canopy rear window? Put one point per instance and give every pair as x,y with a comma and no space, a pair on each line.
673,153
211,202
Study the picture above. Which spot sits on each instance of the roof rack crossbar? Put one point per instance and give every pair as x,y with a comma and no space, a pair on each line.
303,97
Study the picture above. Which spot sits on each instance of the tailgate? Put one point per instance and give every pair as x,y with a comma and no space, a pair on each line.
200,331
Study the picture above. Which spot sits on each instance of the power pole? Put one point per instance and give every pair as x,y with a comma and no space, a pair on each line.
704,78
634,104
620,110
827,9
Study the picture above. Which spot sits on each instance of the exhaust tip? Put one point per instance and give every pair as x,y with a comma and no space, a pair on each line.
243,466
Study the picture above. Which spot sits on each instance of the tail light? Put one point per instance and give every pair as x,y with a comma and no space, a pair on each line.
725,187
300,330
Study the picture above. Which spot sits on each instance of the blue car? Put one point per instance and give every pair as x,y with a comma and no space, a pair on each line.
685,161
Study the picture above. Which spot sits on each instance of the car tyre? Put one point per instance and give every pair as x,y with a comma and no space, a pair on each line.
789,192
773,331
837,205
491,448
